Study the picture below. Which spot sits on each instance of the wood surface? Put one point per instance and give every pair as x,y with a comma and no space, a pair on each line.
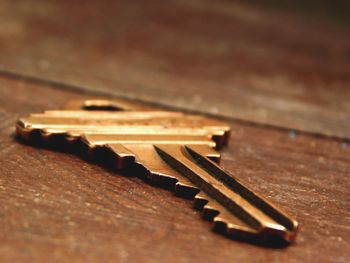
284,63
56,206
277,72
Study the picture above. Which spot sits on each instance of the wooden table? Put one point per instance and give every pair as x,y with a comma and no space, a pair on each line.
278,73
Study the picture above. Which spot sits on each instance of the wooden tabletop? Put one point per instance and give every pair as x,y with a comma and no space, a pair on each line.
278,73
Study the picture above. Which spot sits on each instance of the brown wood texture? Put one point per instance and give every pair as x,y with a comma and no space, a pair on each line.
283,63
57,207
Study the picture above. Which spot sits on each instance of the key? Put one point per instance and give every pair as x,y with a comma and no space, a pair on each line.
170,149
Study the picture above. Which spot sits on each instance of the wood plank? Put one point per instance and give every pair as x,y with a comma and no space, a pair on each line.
56,206
284,64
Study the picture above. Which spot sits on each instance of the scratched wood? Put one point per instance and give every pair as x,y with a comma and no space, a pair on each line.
56,206
283,63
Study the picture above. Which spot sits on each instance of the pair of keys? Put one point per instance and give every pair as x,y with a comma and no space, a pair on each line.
171,149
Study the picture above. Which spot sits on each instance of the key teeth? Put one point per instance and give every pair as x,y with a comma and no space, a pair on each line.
200,201
185,190
209,212
220,225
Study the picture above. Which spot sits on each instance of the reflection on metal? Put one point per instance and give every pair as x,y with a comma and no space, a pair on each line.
170,149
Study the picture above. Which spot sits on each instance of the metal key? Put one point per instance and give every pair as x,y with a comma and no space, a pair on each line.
170,149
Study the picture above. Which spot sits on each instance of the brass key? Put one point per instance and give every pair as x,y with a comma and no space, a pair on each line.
171,149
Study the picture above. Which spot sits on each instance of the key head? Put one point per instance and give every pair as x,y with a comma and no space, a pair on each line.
98,122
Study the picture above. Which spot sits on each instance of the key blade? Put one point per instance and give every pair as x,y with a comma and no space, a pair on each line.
290,225
266,219
160,173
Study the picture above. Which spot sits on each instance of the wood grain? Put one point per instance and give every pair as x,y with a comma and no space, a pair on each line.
57,207
284,63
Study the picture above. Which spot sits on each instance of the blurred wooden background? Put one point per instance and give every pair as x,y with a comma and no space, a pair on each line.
278,71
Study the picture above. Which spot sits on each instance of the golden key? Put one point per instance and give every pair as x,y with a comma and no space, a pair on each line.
170,149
